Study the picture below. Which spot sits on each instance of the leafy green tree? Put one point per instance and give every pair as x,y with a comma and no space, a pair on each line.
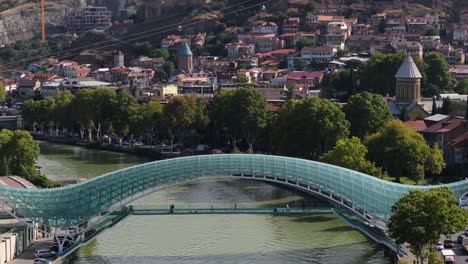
341,53
378,74
431,32
403,151
300,64
147,120
309,127
2,93
242,78
29,113
351,154
435,162
421,217
83,111
446,108
242,113
103,108
462,87
310,6
404,114
367,113
62,111
337,85
124,108
24,155
179,116
160,53
303,42
289,92
437,71
142,48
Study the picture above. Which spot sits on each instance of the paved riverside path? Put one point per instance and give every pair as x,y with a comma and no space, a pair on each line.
27,256
279,211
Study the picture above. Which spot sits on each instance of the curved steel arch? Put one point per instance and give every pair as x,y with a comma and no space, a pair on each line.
71,205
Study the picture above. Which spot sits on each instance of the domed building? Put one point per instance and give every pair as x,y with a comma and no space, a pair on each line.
408,92
185,58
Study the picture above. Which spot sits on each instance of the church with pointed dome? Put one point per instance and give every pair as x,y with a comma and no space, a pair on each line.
407,103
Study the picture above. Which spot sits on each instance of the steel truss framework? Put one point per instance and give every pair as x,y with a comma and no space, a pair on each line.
70,206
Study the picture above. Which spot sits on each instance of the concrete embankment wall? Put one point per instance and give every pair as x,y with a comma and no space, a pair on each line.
15,241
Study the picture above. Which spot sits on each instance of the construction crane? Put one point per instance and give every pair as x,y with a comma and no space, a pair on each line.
43,33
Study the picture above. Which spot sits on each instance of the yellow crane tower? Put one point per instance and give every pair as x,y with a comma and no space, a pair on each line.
43,33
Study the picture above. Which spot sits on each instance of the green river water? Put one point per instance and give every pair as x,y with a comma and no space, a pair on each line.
210,238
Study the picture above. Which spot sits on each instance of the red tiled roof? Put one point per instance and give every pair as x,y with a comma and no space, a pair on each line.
463,138
417,125
445,126
298,75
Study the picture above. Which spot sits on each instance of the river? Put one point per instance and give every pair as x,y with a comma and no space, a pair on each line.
210,238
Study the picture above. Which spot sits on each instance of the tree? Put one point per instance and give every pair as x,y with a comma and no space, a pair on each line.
466,110
242,113
310,6
404,114
178,116
351,154
309,127
160,53
431,32
437,71
421,217
367,114
103,108
124,108
434,106
62,110
378,74
446,108
242,78
83,111
341,53
435,162
402,151
381,27
2,93
142,48
300,64
462,87
25,153
303,42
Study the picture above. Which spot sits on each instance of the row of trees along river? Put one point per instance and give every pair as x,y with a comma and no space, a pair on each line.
358,135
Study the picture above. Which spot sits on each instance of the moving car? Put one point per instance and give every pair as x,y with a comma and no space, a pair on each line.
44,253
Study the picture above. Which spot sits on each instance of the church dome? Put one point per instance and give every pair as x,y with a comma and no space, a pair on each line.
408,70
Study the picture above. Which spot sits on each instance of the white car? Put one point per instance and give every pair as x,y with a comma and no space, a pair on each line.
42,261
439,246
44,253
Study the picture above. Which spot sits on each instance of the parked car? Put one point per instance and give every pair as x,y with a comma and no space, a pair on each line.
44,253
460,238
42,261
439,246
448,243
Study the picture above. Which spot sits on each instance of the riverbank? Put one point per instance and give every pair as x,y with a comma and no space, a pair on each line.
147,151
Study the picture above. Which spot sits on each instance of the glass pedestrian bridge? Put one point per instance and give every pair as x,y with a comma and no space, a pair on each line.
71,206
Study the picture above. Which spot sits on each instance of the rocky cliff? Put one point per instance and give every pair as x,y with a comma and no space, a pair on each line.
24,22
